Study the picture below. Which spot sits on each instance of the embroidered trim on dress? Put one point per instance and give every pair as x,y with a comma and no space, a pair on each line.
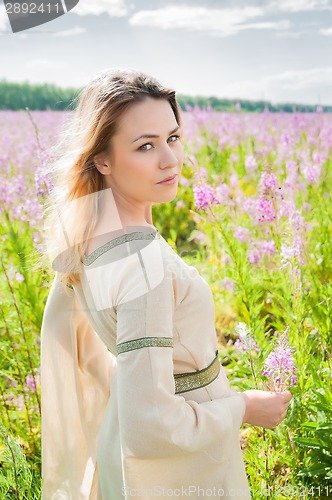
194,380
184,382
124,238
130,345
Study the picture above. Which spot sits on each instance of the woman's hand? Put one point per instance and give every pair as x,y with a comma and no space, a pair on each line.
265,408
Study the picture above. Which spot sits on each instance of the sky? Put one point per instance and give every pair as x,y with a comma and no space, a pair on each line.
276,50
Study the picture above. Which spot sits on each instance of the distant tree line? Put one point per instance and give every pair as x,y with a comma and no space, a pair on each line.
218,104
18,96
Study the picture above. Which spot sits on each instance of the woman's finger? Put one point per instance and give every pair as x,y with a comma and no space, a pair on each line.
287,396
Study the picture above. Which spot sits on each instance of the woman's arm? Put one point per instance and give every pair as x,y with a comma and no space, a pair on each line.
154,421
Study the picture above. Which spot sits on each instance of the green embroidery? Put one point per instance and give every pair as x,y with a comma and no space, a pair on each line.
185,382
144,342
124,238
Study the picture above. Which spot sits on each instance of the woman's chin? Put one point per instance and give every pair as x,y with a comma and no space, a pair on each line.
167,196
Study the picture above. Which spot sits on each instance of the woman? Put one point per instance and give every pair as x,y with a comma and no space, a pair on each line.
135,401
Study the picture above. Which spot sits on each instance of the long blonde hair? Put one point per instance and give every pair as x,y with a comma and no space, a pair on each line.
72,213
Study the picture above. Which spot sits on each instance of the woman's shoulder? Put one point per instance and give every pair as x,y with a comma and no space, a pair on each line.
112,243
127,267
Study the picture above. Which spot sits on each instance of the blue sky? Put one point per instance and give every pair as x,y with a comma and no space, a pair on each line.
278,50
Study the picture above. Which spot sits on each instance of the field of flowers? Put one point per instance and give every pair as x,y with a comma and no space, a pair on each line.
253,214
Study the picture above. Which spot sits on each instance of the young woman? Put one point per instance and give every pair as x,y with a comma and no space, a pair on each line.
135,402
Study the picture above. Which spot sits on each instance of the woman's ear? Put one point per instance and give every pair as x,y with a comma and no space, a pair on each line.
102,164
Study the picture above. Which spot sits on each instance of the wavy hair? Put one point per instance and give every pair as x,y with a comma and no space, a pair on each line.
72,213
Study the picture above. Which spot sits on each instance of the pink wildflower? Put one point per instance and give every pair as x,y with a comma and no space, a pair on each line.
267,246
254,256
245,342
204,196
279,365
31,383
241,233
291,252
250,164
228,284
312,174
224,194
184,181
269,181
265,210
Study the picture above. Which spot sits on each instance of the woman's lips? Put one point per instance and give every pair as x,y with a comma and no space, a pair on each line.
169,180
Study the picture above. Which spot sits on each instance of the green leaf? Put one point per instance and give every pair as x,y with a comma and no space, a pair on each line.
315,470
308,443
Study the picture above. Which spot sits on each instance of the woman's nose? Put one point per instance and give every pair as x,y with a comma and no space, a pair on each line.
168,158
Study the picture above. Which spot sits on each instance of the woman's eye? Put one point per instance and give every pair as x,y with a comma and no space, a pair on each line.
177,137
142,148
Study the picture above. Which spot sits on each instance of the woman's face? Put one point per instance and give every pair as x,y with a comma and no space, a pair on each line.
137,164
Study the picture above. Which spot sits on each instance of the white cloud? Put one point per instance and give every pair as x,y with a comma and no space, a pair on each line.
290,34
326,31
267,25
45,64
4,21
222,22
243,89
301,5
114,8
76,30
301,79
285,83
284,24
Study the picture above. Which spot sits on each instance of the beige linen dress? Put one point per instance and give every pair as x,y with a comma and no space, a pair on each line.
113,426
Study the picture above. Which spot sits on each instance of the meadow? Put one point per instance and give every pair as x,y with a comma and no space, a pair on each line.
253,214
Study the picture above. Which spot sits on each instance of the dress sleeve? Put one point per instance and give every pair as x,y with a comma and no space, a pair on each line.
155,422
76,369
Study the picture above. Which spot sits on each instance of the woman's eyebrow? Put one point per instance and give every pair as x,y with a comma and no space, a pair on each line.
150,136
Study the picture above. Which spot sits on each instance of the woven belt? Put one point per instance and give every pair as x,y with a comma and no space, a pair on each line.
194,380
